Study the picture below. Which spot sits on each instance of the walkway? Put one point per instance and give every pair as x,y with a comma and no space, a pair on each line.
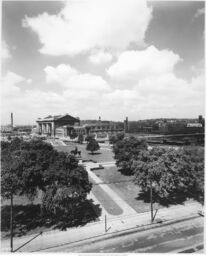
73,235
111,194
129,219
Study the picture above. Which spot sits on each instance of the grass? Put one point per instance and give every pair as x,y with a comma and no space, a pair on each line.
121,184
28,219
106,201
124,186
101,156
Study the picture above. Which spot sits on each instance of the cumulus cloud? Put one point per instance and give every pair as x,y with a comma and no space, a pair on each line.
199,13
29,81
10,84
87,24
132,66
5,52
153,89
100,57
71,79
157,95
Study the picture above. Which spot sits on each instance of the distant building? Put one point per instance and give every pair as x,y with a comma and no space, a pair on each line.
63,126
194,125
6,128
50,125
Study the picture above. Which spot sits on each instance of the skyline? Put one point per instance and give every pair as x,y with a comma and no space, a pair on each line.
88,68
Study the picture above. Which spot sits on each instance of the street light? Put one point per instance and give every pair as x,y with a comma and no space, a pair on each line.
152,185
11,223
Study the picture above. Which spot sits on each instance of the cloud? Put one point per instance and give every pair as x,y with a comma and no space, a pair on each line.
89,96
84,25
70,79
29,81
10,84
132,66
100,57
5,52
153,89
199,13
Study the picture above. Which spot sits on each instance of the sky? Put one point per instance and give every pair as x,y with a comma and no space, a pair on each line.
108,58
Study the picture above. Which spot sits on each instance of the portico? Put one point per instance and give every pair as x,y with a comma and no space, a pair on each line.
47,126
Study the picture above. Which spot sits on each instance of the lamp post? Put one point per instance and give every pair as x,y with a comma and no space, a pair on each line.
11,223
151,199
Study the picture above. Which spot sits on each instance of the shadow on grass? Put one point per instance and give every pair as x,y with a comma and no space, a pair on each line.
29,217
126,172
173,199
94,153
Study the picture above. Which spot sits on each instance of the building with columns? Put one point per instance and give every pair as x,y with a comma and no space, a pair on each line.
63,126
50,125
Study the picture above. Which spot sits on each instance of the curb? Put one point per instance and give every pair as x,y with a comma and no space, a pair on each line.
107,236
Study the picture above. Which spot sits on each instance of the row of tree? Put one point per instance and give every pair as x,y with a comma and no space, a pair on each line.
174,173
31,167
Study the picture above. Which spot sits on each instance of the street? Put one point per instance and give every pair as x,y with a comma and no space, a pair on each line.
172,238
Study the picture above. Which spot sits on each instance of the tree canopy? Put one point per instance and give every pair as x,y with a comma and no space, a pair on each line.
89,137
28,167
175,173
93,146
126,150
80,138
114,138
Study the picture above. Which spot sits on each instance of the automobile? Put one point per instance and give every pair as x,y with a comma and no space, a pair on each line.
201,213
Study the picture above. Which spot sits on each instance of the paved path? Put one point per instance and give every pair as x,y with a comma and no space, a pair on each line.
128,220
176,237
58,238
107,164
127,210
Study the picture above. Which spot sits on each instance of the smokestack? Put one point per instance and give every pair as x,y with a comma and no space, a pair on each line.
12,123
126,125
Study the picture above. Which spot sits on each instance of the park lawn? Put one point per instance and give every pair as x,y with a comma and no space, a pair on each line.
105,200
124,186
28,220
105,154
28,210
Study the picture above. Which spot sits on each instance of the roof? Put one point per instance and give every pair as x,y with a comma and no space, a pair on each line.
55,118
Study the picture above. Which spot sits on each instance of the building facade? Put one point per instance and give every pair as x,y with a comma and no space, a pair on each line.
53,125
66,126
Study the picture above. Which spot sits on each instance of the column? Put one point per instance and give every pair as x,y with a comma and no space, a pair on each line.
52,129
40,128
44,128
47,128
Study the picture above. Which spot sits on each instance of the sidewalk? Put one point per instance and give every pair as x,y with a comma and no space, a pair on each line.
128,220
95,229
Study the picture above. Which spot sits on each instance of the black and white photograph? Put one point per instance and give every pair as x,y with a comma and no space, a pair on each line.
102,126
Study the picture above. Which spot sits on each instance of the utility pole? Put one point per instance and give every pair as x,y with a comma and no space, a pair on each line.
151,202
105,226
11,223
105,223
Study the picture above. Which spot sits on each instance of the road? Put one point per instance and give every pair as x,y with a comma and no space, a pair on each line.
177,237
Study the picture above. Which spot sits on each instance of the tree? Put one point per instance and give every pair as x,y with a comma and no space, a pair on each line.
117,137
126,151
89,137
68,192
175,173
28,167
92,146
73,134
80,138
